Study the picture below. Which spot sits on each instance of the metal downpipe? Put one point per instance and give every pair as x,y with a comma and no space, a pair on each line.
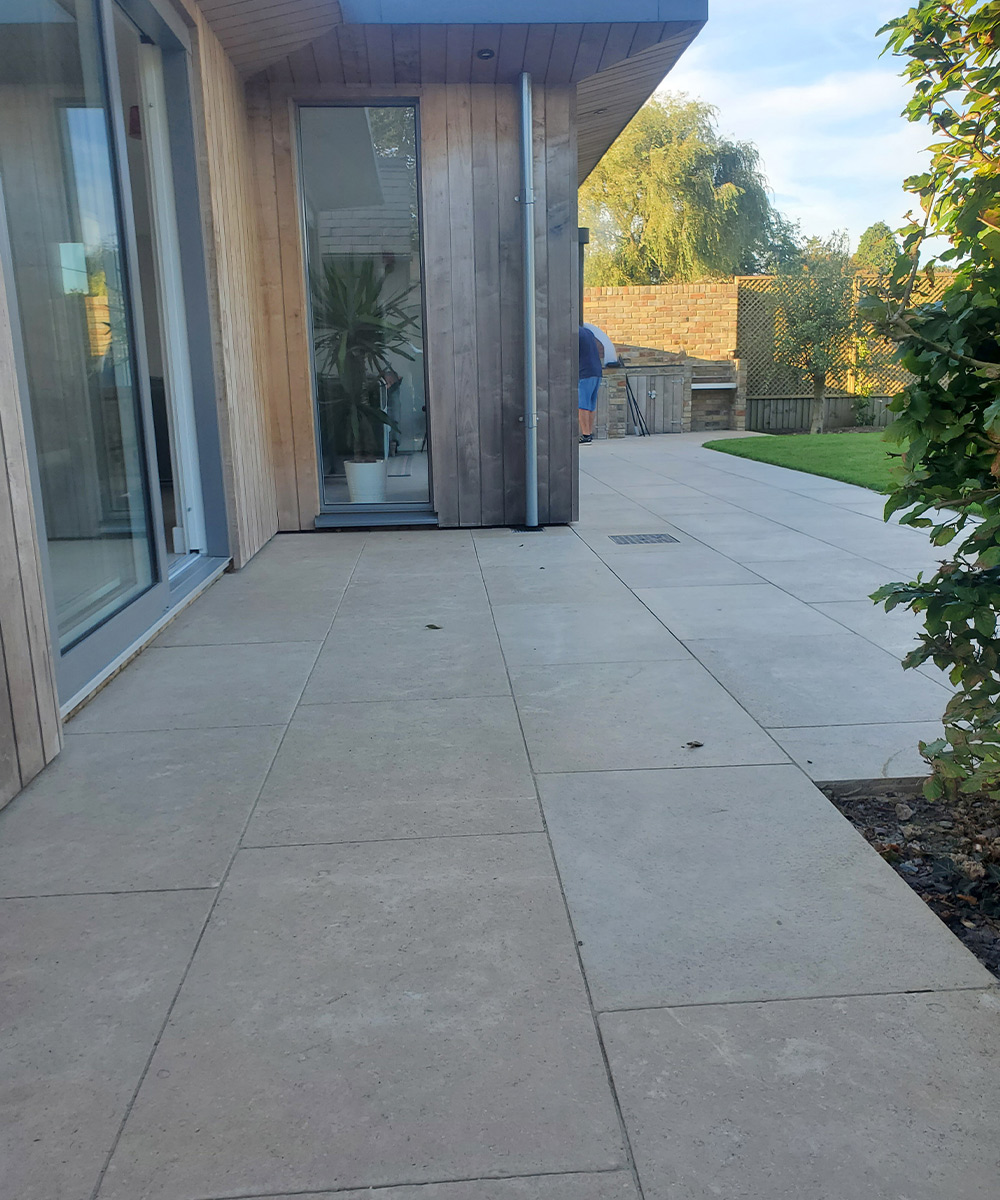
530,349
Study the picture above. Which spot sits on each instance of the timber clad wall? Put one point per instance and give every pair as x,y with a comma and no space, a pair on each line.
471,227
30,731
236,282
698,319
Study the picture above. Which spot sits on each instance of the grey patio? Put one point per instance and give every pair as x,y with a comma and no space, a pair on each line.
489,866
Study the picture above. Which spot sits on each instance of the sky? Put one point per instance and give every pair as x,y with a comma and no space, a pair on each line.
804,81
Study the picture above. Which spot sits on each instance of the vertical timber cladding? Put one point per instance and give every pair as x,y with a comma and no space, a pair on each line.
474,344
30,730
237,288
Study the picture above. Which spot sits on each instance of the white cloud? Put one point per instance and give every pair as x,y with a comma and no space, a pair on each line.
805,83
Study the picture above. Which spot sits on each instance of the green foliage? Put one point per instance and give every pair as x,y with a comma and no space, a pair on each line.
356,327
673,200
878,249
814,316
950,414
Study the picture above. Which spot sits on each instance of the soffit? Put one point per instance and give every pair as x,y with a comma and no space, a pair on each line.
606,102
373,56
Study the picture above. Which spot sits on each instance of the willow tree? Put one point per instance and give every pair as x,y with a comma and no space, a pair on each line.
673,200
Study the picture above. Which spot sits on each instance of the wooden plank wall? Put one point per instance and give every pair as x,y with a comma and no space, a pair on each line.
237,286
470,179
30,729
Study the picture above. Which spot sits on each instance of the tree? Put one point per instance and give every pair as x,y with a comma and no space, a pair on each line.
672,200
814,317
877,250
949,418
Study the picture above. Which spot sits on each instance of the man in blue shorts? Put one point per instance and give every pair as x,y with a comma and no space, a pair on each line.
590,381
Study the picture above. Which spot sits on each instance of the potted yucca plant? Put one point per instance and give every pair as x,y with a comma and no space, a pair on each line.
357,324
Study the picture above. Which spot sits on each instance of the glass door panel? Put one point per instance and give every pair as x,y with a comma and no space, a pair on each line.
58,174
362,234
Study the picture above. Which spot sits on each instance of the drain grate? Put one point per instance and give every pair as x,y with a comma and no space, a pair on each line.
640,539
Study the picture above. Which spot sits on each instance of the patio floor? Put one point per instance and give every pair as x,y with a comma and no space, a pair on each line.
489,867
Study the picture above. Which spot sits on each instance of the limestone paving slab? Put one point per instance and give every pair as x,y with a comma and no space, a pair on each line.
707,885
408,658
261,605
597,1185
880,1097
837,576
828,679
835,752
202,687
361,1016
550,547
615,631
553,585
740,610
395,557
684,565
393,769
124,811
422,595
617,716
894,631
86,983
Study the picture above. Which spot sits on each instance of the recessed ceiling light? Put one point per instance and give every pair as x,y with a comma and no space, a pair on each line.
485,54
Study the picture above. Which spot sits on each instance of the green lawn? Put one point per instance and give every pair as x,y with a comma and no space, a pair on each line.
861,458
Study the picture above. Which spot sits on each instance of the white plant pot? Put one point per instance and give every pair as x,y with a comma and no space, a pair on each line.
366,481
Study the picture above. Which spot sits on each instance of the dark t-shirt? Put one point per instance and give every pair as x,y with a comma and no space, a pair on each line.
590,355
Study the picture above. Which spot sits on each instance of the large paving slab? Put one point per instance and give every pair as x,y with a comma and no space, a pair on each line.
834,752
135,811
708,885
86,983
836,576
355,772
683,565
836,678
202,687
408,658
873,1097
371,1015
539,584
620,716
620,630
739,611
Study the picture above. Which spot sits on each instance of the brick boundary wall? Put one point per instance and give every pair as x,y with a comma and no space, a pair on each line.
698,319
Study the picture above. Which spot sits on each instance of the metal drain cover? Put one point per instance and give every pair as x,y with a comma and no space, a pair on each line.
640,539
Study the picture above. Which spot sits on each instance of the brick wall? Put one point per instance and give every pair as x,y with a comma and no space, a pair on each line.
698,319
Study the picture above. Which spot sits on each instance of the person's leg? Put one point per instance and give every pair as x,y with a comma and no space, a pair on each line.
588,402
582,401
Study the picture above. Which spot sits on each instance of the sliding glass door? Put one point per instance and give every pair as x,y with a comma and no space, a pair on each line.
68,246
361,214
91,250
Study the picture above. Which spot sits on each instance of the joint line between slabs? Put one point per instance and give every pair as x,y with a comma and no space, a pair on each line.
929,991
623,1132
204,927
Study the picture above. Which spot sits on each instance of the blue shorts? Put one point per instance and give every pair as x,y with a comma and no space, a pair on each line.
588,392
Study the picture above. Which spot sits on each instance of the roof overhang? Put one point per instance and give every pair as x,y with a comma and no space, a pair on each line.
374,43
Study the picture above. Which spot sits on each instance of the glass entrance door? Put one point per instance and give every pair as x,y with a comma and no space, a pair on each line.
362,239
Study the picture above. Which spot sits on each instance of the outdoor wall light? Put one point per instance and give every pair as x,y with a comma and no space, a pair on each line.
485,54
